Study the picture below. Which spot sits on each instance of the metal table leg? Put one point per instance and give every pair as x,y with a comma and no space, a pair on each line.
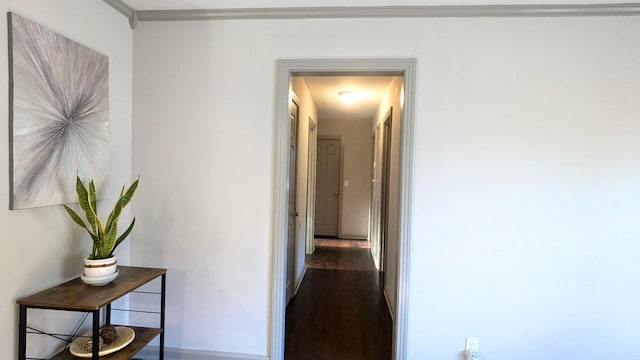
162,314
96,335
22,333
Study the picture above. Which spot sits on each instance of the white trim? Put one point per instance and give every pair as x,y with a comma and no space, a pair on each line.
353,237
404,67
125,10
121,7
280,213
389,307
151,353
393,12
404,246
299,279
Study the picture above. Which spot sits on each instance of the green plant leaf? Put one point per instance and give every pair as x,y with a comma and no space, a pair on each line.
124,235
78,220
104,235
129,193
95,247
85,204
123,200
92,196
109,242
94,252
101,241
98,225
114,216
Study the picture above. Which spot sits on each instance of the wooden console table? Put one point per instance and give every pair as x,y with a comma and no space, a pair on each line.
75,295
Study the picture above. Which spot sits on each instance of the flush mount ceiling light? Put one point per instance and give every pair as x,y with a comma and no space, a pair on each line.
349,96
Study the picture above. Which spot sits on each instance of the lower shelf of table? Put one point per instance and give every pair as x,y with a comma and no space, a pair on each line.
143,337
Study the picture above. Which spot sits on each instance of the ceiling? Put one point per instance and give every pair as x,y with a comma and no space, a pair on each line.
249,4
324,91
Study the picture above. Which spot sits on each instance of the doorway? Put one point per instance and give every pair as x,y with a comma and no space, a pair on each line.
287,68
328,183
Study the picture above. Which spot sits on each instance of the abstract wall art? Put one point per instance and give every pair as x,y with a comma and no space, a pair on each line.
58,114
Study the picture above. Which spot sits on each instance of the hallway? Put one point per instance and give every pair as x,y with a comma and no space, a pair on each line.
339,312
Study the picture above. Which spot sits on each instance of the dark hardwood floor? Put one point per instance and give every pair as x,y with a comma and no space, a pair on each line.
339,312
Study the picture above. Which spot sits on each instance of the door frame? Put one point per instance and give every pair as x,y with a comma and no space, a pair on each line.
340,176
286,68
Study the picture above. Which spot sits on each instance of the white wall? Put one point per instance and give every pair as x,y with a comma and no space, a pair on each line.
42,246
525,191
354,222
525,196
203,137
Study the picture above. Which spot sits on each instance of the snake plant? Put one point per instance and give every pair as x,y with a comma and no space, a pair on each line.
104,235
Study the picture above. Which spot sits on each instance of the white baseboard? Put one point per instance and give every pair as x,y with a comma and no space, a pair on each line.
353,237
300,278
386,298
151,353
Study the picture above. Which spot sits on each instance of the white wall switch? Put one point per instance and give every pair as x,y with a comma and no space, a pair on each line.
346,183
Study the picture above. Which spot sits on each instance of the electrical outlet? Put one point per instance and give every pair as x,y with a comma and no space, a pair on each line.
471,344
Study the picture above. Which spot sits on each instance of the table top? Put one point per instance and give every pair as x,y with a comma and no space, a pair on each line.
78,296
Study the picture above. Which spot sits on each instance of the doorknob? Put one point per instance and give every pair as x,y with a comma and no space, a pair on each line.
294,213
335,193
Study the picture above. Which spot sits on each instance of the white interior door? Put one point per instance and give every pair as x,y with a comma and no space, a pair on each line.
384,193
293,213
311,186
328,187
379,215
374,216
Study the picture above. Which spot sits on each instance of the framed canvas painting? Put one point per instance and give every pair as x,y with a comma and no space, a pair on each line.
58,114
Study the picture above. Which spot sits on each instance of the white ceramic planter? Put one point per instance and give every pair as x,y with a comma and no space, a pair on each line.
100,267
100,272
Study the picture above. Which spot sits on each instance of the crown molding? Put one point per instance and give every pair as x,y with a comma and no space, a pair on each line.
627,9
125,10
121,6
